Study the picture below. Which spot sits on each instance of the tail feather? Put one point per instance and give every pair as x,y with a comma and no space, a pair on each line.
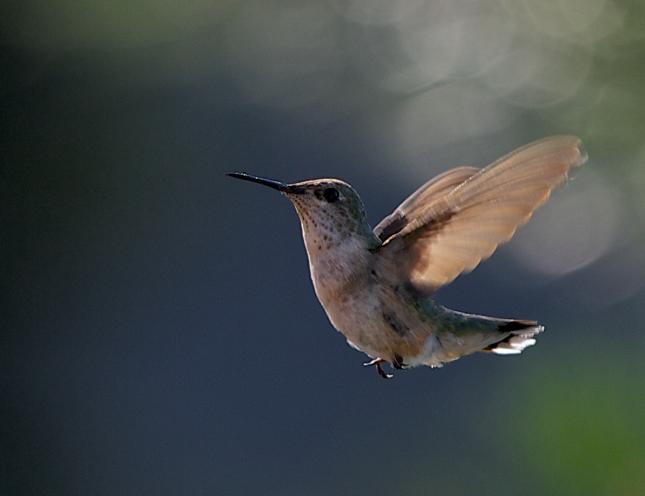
521,335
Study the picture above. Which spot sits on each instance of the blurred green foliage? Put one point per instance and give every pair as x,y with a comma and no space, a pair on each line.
580,422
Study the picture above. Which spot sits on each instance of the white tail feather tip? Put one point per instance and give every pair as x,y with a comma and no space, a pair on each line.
517,343
500,350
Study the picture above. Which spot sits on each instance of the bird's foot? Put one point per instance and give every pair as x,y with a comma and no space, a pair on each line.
377,363
397,362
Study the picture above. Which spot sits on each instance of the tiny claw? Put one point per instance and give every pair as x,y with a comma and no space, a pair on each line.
377,363
383,373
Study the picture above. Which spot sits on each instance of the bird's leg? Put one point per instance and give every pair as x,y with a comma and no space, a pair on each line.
397,362
382,372
377,363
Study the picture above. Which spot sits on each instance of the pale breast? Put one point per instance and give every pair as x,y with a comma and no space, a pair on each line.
376,316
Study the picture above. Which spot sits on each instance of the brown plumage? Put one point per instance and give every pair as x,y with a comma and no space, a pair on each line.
375,284
458,219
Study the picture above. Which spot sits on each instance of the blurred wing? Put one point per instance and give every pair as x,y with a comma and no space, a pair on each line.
440,232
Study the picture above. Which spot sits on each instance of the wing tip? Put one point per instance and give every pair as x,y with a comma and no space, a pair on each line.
572,141
583,156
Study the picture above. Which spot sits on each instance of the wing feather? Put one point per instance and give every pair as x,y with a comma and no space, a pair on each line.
453,222
434,188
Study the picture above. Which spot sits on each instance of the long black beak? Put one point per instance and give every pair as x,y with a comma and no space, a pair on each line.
280,186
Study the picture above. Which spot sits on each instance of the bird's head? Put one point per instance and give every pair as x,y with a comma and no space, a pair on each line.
330,210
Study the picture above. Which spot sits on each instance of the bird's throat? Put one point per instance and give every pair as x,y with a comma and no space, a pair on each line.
336,264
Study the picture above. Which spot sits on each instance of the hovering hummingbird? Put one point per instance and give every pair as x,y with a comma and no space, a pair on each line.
375,284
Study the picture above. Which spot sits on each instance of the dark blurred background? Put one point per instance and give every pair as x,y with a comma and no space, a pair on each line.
159,332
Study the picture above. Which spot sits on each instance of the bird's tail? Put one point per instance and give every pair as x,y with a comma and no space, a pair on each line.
520,334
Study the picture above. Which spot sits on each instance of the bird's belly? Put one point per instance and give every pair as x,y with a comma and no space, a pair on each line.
356,317
378,326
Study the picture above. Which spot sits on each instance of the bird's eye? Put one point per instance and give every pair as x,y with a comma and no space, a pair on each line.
331,195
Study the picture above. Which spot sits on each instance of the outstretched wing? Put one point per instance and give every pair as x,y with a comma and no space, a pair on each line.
458,219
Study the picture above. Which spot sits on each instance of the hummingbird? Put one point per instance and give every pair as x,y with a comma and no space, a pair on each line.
376,285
